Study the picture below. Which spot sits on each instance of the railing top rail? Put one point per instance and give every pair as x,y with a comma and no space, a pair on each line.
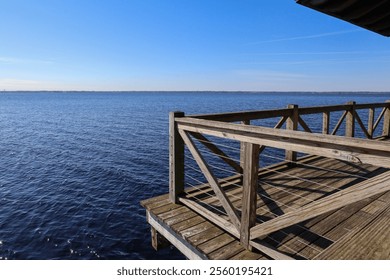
291,134
245,115
346,148
265,114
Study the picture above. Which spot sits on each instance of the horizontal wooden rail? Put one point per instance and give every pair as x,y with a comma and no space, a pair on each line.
335,108
264,114
372,105
344,148
245,116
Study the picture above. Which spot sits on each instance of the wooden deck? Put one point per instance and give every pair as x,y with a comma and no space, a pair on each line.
331,203
356,231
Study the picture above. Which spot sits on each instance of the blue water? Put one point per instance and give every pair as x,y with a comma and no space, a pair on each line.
74,166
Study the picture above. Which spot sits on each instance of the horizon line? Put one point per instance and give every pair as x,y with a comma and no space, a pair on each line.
200,91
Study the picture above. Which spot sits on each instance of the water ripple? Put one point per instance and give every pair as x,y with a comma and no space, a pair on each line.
74,167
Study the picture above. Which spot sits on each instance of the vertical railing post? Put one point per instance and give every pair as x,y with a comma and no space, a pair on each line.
176,158
249,195
242,146
371,119
292,124
350,120
386,121
325,122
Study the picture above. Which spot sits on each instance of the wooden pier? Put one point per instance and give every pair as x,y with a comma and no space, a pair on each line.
294,183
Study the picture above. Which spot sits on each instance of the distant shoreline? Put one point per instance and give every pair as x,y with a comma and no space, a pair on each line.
203,92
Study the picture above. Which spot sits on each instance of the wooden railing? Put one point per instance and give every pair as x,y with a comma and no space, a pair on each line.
293,115
290,133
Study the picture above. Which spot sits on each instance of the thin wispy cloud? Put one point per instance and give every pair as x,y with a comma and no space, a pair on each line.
15,60
305,53
314,36
27,84
269,75
384,59
10,83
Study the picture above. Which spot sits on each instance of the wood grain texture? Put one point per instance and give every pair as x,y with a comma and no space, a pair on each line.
301,211
370,125
350,120
371,242
386,121
317,234
249,193
264,114
174,238
176,158
292,125
348,149
353,194
325,122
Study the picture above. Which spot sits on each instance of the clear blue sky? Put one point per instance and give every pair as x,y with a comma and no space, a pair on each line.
257,45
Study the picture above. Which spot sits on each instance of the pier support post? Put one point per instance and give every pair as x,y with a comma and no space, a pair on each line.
292,124
249,195
386,121
158,241
176,158
350,120
242,146
371,119
325,122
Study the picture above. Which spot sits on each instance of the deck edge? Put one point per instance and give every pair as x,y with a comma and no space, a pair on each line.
175,239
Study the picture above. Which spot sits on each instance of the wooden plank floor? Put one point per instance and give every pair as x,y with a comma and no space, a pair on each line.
357,231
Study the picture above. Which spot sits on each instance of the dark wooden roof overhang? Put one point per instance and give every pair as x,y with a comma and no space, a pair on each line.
373,15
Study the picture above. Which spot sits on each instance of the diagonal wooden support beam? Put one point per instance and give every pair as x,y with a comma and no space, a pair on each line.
217,151
269,250
379,118
204,167
359,121
360,191
222,223
336,128
281,122
304,125
212,217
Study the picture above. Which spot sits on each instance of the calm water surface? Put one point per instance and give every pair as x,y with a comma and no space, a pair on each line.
74,166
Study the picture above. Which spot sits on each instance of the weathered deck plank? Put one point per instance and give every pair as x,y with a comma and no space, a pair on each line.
334,201
321,237
216,243
334,222
247,255
373,240
208,234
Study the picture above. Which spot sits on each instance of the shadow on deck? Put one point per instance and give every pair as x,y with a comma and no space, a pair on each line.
356,231
325,195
